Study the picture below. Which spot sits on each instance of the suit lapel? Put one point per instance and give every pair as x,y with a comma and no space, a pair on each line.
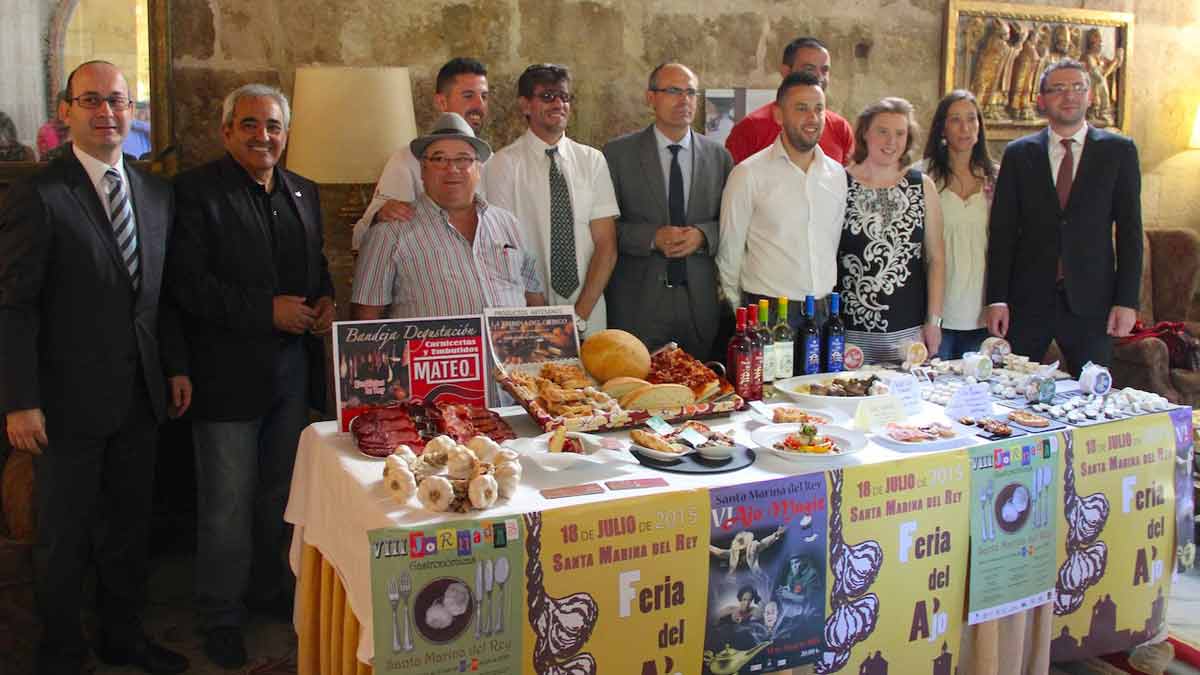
85,194
310,221
239,199
700,165
1088,159
652,169
1041,167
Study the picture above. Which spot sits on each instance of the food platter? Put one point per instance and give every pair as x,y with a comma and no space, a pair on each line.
796,388
848,441
962,436
596,450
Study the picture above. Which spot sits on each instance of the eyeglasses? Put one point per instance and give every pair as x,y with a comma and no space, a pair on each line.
93,101
549,95
443,162
1060,89
675,91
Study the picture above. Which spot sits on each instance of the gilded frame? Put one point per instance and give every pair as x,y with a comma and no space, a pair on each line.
997,50
162,133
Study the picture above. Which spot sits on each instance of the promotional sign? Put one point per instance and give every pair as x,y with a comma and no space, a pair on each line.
898,543
1185,496
766,589
431,360
1116,539
448,598
617,587
532,335
1014,516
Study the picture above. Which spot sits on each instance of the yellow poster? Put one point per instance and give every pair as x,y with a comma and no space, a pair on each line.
898,544
1116,538
618,587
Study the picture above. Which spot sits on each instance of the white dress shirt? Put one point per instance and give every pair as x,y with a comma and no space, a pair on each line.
685,162
517,179
780,226
1057,152
95,170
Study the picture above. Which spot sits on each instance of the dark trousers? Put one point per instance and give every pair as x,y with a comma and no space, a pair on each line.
93,496
674,321
1081,338
243,475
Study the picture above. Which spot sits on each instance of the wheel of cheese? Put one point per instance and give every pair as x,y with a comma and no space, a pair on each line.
615,353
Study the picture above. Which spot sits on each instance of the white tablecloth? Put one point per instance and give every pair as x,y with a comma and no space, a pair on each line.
338,495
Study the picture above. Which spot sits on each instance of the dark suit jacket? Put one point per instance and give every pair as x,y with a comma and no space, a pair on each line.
72,330
1028,230
636,287
221,277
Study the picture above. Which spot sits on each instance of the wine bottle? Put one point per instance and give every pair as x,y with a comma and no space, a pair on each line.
739,359
756,378
768,339
834,338
785,340
810,338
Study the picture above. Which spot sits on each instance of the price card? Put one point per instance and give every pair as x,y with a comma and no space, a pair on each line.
971,400
692,437
876,413
659,426
907,390
762,409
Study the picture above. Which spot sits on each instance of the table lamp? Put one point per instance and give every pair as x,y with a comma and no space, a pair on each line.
346,122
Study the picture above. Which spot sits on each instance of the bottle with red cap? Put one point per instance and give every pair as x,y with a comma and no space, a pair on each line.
739,359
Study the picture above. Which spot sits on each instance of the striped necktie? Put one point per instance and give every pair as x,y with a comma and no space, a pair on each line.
120,213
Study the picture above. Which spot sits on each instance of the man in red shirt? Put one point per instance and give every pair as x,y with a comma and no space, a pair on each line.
759,129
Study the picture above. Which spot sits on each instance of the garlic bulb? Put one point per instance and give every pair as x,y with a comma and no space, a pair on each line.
483,447
401,483
460,462
435,450
405,453
504,455
435,493
483,491
394,463
507,475
423,469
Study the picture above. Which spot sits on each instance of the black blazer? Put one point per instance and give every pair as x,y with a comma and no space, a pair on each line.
1028,231
72,330
221,281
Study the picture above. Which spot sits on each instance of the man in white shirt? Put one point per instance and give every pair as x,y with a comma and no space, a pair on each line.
782,209
461,88
562,195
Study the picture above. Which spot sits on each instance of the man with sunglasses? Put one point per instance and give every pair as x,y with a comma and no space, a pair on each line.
457,254
81,385
461,88
562,195
668,181
1055,271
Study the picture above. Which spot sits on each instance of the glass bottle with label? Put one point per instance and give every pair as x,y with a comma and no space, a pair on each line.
785,341
809,344
770,362
756,379
739,359
833,342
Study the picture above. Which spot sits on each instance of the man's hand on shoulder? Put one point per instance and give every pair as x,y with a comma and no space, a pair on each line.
291,315
1121,320
394,210
27,430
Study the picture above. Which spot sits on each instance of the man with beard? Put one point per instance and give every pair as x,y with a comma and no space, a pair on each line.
462,88
668,182
250,280
562,195
781,214
1054,269
759,128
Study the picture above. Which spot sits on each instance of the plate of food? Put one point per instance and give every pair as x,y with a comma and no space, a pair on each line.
923,436
709,443
842,392
561,449
790,413
657,446
799,442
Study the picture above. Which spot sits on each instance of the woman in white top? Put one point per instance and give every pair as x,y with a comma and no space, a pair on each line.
956,158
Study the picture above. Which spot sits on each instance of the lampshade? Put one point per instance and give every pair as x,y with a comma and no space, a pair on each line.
346,122
1194,144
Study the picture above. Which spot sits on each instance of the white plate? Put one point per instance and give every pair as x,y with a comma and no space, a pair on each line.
836,417
537,450
848,440
966,436
846,405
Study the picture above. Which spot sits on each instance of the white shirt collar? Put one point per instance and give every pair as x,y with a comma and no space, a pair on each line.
663,141
819,156
95,168
540,146
1078,137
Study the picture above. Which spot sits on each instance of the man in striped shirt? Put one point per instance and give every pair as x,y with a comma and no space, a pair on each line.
458,254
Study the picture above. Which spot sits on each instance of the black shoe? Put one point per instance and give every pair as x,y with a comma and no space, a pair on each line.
225,647
145,654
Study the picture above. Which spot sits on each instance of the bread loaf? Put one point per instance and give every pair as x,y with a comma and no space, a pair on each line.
658,397
614,353
619,386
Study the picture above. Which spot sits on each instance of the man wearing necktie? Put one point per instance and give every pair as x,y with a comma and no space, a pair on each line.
668,182
1055,270
562,195
81,386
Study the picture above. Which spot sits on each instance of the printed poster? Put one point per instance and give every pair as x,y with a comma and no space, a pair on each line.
532,335
393,360
1185,504
897,561
766,566
1117,541
617,587
448,597
1014,500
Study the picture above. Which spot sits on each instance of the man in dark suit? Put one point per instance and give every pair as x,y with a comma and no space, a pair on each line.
1053,271
668,182
252,287
81,385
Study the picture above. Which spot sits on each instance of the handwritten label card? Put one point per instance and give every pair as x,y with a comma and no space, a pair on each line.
970,400
876,413
908,391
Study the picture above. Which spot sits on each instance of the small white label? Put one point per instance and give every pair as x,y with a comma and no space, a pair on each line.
762,409
692,437
784,360
971,400
659,426
876,413
908,391
770,363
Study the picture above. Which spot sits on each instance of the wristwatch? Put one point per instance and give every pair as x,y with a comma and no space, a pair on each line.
580,324
934,320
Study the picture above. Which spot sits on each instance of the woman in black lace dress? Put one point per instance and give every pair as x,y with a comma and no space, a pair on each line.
891,262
